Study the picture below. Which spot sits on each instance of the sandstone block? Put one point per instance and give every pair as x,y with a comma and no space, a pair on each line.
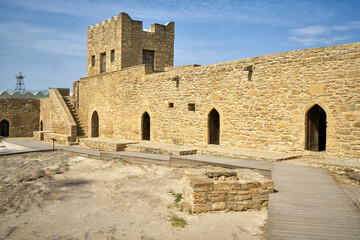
201,184
218,206
222,186
217,196
200,208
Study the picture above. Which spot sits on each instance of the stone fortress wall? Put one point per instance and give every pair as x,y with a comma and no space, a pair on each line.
19,117
267,110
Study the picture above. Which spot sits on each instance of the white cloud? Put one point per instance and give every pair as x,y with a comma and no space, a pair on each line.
312,41
322,35
311,30
48,40
347,26
276,13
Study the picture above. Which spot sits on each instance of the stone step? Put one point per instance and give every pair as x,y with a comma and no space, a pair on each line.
105,144
161,148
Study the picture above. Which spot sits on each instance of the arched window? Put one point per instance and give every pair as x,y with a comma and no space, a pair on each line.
4,128
41,126
95,124
316,129
145,126
214,127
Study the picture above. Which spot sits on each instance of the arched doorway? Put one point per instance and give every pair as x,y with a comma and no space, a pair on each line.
145,126
95,124
214,127
316,129
41,126
4,128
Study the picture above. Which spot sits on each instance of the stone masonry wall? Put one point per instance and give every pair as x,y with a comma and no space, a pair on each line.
128,39
22,115
55,114
267,112
219,190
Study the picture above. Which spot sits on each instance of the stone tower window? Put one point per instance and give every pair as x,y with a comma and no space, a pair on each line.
191,107
103,62
93,60
113,55
171,105
149,58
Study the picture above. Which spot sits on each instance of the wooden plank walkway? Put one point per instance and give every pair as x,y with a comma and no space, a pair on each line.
310,205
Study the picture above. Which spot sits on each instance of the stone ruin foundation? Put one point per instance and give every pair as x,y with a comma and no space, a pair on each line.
225,190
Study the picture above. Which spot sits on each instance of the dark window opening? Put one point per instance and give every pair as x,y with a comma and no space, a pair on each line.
316,129
250,75
41,126
171,105
250,71
214,127
149,58
103,62
92,60
145,126
4,128
95,125
191,106
113,55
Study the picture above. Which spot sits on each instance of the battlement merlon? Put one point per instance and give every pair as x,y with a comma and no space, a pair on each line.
155,27
121,42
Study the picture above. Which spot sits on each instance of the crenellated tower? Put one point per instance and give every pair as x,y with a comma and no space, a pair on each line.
121,42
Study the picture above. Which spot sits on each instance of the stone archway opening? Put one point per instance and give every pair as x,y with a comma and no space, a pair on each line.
95,124
316,129
145,126
4,128
214,127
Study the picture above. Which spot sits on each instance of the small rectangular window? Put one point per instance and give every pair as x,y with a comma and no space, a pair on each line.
103,62
93,60
113,55
171,105
191,106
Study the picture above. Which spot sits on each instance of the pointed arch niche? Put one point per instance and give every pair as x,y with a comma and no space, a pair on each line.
145,126
95,124
316,129
214,127
4,128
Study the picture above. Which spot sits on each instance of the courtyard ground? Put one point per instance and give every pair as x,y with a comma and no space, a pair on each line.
58,195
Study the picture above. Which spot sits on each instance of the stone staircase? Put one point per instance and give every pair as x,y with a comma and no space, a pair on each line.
80,128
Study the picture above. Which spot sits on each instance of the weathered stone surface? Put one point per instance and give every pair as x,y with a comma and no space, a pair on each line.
22,115
225,195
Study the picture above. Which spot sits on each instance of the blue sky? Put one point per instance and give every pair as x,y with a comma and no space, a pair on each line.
46,39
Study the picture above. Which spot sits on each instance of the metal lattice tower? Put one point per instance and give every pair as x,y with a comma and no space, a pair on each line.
20,85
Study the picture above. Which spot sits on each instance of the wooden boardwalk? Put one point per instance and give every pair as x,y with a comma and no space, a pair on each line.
310,205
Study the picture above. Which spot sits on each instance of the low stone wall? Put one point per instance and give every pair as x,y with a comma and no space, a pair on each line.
104,144
39,135
60,139
219,190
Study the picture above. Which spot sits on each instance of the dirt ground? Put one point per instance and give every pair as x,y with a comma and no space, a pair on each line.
57,195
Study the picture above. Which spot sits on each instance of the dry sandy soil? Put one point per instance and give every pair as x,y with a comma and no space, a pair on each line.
57,195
